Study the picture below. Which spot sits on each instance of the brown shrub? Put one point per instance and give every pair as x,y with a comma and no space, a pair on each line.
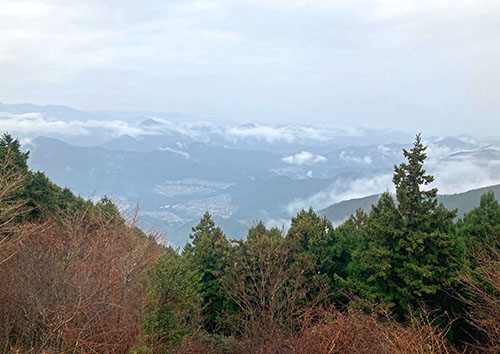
73,286
337,332
482,285
361,333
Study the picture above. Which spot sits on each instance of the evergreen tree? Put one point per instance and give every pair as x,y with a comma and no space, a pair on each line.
310,231
373,270
208,254
480,228
344,241
411,253
10,149
172,306
309,238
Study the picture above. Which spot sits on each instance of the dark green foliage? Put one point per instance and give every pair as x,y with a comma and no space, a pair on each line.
11,147
481,225
173,302
310,238
414,204
311,232
338,254
408,255
209,256
372,269
42,198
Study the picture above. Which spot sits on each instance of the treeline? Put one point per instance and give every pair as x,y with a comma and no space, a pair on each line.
404,278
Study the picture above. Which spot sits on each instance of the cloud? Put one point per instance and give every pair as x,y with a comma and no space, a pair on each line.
343,189
356,62
347,157
461,172
182,153
30,123
304,158
267,133
37,124
386,150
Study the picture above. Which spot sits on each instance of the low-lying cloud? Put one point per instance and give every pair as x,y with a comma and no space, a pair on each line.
465,172
179,152
343,189
38,124
304,158
346,157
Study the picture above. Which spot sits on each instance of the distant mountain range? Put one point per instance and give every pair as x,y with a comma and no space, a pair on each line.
177,167
463,202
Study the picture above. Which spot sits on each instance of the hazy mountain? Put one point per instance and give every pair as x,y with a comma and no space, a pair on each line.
463,202
177,166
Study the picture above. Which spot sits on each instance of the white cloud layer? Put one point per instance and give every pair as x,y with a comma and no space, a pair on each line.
343,189
367,160
36,124
304,158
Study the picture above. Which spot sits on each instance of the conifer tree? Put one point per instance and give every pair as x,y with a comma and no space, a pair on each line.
414,204
208,254
344,241
12,147
409,256
480,227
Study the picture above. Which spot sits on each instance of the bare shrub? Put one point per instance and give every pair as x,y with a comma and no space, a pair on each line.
74,285
11,181
482,285
270,286
356,332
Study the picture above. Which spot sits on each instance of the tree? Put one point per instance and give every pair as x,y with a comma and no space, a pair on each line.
414,204
208,255
173,302
10,149
270,286
411,253
308,239
337,261
481,226
373,270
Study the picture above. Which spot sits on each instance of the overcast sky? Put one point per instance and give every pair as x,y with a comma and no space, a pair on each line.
414,65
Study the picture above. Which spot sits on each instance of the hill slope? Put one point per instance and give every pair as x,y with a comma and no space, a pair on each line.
463,202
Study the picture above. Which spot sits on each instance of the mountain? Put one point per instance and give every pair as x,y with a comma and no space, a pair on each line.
339,212
175,182
177,166
463,202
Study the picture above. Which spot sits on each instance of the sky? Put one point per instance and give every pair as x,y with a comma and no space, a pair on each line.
424,65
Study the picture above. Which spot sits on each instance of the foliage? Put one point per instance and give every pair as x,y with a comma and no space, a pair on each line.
270,292
408,255
173,302
208,256
482,224
482,292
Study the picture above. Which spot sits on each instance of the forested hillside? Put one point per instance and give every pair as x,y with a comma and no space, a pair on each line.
405,276
462,202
